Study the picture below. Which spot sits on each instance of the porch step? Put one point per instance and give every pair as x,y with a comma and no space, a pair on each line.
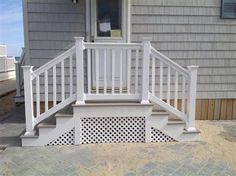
59,129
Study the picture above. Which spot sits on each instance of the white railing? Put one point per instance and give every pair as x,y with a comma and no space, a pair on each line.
169,85
19,74
37,84
7,64
110,71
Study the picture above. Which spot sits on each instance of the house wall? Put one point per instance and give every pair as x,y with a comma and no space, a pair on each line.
192,33
52,26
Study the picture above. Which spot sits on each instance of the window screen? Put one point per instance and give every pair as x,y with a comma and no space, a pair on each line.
109,18
228,9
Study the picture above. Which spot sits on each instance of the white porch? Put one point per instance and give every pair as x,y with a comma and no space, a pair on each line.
148,84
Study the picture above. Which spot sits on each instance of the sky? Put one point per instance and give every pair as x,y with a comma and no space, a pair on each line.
11,26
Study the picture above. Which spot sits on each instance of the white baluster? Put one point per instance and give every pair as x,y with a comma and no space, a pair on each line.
37,96
136,71
105,71
62,81
128,70
153,74
161,80
89,70
29,107
113,70
176,91
46,89
54,86
168,85
97,70
121,70
71,75
183,94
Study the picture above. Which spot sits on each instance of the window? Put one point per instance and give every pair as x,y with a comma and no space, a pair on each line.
228,9
109,18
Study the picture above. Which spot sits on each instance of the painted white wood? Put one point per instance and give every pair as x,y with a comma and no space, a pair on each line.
169,62
183,94
145,74
89,70
105,71
128,70
71,75
62,81
168,84
115,97
113,71
136,70
29,114
192,98
37,97
79,45
168,107
54,85
46,89
161,80
121,69
97,70
153,74
176,90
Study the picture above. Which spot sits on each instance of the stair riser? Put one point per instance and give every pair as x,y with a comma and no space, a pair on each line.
173,130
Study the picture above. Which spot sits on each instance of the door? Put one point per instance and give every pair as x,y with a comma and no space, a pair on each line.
109,23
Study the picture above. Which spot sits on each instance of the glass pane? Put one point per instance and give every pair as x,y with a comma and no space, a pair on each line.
109,18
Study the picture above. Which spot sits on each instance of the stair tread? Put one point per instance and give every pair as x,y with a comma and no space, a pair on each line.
172,122
25,137
191,132
160,113
58,115
46,125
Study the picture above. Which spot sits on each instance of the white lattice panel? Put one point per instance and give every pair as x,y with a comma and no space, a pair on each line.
67,138
112,129
159,136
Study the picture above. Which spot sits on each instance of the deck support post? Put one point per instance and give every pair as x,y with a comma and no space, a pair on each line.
79,47
145,73
192,92
29,113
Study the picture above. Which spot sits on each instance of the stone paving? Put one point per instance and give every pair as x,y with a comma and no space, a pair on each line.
213,155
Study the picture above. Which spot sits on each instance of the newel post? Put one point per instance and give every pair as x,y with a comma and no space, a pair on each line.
145,78
191,112
79,47
29,113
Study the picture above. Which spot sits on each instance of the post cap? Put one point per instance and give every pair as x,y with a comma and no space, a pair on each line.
191,67
25,67
147,39
79,38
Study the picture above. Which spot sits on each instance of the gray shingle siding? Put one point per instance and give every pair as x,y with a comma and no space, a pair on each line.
188,31
192,32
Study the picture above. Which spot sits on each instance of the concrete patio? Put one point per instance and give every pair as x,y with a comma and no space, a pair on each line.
214,154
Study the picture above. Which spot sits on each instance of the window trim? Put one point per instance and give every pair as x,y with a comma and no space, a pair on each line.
222,11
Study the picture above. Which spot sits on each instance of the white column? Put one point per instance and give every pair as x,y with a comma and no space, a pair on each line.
192,92
17,72
29,113
79,44
145,77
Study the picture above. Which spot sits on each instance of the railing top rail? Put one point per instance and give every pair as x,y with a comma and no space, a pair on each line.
53,62
169,62
113,45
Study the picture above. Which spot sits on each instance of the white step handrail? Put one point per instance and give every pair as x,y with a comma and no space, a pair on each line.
41,77
157,66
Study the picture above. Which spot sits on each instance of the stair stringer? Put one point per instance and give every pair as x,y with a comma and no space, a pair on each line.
49,134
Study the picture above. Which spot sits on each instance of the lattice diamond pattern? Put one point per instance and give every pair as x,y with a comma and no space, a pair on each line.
112,129
159,136
65,139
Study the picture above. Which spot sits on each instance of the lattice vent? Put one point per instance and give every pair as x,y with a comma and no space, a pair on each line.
159,136
65,139
112,130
